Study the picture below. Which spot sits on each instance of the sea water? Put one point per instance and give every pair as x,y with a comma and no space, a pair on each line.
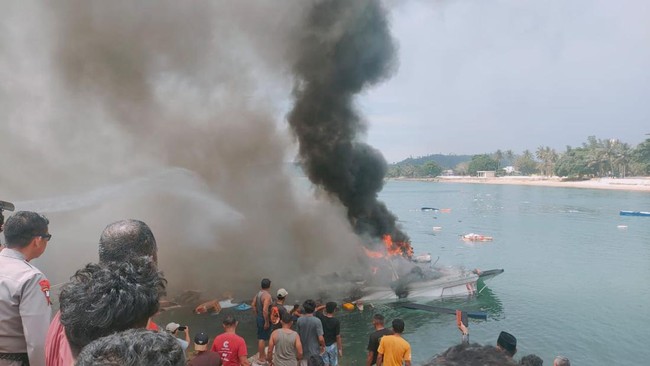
574,284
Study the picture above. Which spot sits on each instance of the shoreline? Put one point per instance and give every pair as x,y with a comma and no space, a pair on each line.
639,184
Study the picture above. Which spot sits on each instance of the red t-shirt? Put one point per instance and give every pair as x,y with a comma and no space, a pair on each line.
57,349
230,347
152,326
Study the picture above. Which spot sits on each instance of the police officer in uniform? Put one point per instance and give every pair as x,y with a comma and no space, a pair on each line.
24,291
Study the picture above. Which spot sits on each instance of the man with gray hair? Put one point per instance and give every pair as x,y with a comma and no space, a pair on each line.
24,291
561,361
126,239
120,241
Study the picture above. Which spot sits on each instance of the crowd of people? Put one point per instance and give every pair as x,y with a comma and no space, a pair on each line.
106,310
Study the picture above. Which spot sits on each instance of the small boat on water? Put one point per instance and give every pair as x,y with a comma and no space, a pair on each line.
476,237
635,213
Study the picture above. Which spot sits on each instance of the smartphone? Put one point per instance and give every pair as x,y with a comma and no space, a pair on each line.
182,328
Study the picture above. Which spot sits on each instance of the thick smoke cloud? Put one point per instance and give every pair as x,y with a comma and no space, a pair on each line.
168,113
346,48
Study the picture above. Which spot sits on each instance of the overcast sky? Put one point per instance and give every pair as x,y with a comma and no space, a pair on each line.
480,75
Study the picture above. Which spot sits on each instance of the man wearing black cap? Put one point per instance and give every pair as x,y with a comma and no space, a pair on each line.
507,343
203,357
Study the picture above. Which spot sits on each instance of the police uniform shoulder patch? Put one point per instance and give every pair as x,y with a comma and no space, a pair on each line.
45,287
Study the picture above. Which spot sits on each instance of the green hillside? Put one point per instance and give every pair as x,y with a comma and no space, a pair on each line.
444,161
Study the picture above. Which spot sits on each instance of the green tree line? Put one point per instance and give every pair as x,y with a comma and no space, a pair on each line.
594,158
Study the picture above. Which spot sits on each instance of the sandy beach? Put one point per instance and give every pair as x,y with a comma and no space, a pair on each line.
626,184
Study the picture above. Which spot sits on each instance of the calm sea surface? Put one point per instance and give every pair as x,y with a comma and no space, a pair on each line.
574,283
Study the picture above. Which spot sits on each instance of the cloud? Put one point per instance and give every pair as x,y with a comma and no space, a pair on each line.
476,76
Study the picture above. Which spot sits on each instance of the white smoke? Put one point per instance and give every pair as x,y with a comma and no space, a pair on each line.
169,113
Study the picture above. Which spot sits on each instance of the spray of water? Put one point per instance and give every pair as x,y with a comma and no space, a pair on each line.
174,181
97,93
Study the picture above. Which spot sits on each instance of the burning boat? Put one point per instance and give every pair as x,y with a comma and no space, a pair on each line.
397,275
464,283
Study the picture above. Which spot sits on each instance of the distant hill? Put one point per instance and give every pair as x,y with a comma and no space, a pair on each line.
445,161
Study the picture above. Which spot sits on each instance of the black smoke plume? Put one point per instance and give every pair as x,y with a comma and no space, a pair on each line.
346,48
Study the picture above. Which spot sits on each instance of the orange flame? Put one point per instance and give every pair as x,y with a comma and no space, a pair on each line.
402,248
398,248
391,248
372,253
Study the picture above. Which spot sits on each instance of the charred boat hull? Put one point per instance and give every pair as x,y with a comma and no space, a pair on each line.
453,285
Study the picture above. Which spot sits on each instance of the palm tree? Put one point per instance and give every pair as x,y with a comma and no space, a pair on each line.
548,158
552,159
510,155
526,163
594,161
622,158
498,156
599,154
541,156
609,153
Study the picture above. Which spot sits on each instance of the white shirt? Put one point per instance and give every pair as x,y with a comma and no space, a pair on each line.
24,307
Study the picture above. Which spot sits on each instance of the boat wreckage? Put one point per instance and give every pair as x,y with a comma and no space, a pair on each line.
420,284
394,273
398,274
427,283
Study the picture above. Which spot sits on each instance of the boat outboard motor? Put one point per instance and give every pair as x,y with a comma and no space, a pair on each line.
5,206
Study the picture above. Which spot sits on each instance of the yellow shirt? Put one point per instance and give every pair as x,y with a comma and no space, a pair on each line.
395,350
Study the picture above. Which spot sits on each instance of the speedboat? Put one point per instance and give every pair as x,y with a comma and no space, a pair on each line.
448,285
634,213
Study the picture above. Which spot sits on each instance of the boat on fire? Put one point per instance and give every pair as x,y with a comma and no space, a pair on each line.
397,273
458,284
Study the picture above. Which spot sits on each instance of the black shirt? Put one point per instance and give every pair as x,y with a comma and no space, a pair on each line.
331,327
373,342
282,310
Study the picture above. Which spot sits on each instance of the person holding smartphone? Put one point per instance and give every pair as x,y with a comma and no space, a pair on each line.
174,328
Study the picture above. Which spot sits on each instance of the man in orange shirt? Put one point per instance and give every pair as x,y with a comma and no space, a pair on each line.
393,349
